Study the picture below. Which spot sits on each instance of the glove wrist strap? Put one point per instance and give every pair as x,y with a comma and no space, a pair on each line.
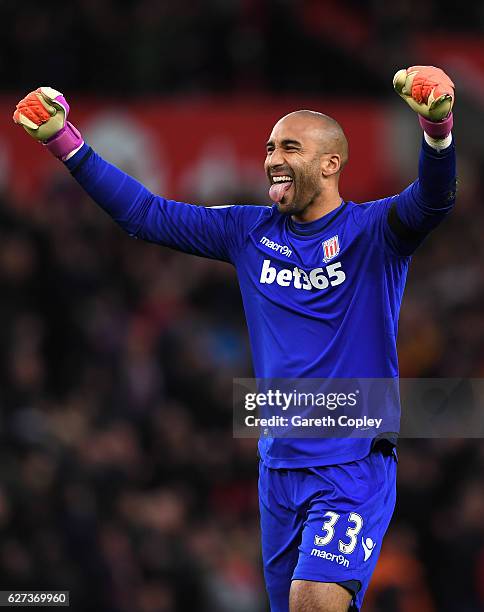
437,129
65,141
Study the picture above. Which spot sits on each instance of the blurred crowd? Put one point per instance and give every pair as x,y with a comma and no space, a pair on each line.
191,46
119,476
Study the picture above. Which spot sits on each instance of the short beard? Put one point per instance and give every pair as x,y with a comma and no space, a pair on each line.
297,209
302,185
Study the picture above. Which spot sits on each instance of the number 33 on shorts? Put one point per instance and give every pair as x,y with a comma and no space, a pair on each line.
352,532
343,540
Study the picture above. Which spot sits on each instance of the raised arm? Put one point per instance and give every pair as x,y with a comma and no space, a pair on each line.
215,232
421,207
402,222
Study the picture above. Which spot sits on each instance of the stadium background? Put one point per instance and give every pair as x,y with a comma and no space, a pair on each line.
120,479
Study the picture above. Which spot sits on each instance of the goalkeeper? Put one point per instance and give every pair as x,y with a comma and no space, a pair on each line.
323,304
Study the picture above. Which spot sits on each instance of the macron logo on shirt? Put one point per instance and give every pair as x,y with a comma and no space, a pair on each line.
280,248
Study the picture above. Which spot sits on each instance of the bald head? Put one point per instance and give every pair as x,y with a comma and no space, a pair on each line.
324,130
305,154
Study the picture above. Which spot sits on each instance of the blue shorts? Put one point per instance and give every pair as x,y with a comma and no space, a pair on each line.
325,524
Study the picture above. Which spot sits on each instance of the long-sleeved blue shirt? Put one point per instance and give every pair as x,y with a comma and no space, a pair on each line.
321,299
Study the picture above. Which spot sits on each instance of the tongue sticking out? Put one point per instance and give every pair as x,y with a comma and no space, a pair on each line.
277,191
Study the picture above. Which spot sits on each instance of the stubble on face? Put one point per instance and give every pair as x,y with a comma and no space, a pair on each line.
306,188
296,146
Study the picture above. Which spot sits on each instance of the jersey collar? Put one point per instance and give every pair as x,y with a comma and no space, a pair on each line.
315,227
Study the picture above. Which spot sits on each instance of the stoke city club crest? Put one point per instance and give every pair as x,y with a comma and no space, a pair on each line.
330,248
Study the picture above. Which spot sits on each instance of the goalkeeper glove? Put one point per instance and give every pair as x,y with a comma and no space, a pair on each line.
430,93
43,114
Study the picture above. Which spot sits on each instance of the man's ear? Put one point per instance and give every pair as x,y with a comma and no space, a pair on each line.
330,164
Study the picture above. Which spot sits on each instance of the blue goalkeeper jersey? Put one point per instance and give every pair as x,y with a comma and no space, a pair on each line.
321,299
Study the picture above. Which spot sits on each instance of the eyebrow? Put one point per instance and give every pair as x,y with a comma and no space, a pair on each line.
284,143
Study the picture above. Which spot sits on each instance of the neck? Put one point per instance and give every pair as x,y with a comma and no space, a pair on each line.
321,206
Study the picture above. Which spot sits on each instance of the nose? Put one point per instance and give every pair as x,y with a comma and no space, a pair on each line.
276,158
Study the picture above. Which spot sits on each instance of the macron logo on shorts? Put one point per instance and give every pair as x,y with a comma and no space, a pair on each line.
322,554
368,547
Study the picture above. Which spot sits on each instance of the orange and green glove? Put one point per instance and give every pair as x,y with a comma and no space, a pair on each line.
43,115
430,93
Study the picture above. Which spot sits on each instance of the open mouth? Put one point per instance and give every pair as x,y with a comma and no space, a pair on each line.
280,186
